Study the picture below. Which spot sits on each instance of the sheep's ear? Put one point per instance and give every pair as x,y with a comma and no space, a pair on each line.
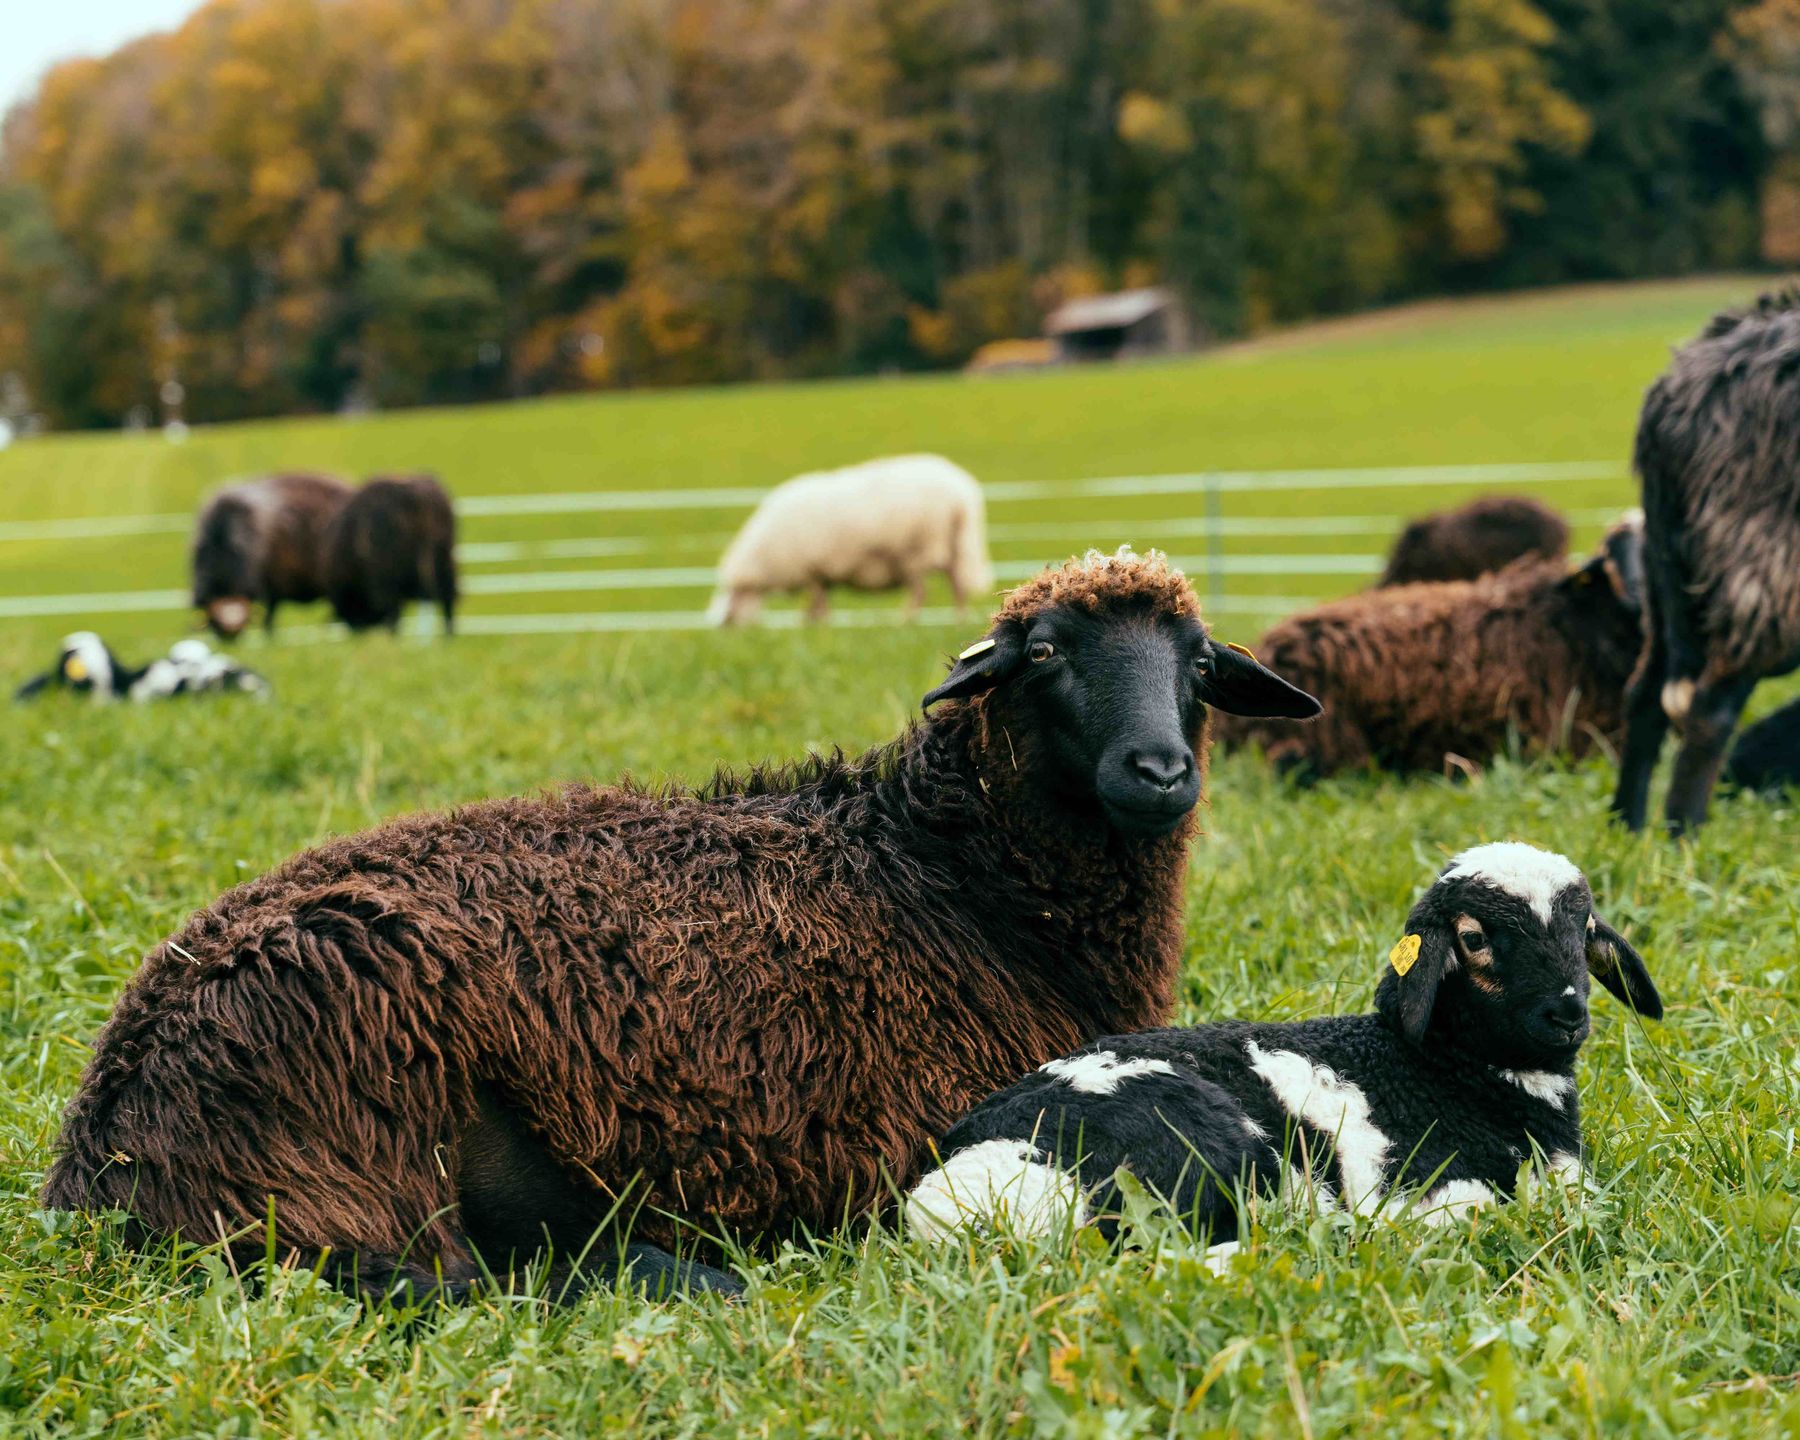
1416,967
36,683
1618,967
1241,685
982,666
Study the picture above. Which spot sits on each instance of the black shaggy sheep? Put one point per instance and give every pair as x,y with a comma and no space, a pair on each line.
1483,536
260,541
393,543
1448,675
1767,755
1463,1073
87,666
748,1008
1718,452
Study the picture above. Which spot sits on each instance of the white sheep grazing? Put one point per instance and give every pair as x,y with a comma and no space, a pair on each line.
876,526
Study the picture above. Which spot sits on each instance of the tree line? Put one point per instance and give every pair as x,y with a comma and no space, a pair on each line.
305,205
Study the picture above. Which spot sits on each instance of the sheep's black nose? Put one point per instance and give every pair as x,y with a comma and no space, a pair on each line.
1164,769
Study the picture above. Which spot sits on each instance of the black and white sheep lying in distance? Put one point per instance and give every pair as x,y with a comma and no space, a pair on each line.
1718,452
88,666
1432,1103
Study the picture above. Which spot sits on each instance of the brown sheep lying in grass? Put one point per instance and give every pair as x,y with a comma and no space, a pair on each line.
748,1008
1478,538
1429,677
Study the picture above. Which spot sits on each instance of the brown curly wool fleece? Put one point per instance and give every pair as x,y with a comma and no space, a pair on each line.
1475,539
1420,677
756,997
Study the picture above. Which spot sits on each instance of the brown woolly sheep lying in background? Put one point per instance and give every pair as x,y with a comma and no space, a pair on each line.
1425,677
393,543
1483,536
259,541
1718,452
743,1008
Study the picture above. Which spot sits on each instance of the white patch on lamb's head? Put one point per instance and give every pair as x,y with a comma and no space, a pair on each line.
1102,1071
1535,876
1454,1201
86,660
1546,1085
1338,1109
1253,1130
996,1183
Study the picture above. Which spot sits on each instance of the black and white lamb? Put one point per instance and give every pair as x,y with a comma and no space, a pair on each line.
88,666
1431,1104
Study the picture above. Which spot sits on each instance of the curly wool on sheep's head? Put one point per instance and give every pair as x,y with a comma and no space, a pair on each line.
1097,581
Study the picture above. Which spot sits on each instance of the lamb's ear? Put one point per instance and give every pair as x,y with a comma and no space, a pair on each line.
982,666
36,683
1618,967
1239,684
1416,967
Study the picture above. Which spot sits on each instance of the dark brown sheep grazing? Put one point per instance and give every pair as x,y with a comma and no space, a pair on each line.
1430,677
468,1032
1483,536
259,541
1718,452
395,542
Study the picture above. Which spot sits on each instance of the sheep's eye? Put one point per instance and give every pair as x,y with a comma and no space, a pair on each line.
1203,664
1473,940
1040,651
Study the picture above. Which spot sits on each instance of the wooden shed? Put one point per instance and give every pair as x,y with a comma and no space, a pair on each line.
1119,326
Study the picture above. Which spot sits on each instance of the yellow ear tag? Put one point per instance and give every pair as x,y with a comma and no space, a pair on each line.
980,647
1403,955
74,669
1243,650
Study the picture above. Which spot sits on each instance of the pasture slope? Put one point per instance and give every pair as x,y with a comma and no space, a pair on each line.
1665,1302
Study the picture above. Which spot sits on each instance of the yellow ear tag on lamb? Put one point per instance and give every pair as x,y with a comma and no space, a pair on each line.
1403,955
75,669
980,647
1243,650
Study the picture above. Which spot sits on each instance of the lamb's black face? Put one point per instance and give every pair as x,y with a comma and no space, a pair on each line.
1498,957
1521,992
1116,702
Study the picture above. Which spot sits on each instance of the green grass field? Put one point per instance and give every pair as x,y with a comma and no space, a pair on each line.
1667,1301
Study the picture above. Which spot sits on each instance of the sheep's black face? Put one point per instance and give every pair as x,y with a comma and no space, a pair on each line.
1498,958
224,568
1116,702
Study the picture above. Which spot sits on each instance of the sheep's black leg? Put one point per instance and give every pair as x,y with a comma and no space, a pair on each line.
269,607
1711,718
514,1200
1646,723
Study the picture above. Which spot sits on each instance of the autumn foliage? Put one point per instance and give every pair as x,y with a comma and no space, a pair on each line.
314,204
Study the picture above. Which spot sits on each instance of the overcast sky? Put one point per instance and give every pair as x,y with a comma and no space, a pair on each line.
37,33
